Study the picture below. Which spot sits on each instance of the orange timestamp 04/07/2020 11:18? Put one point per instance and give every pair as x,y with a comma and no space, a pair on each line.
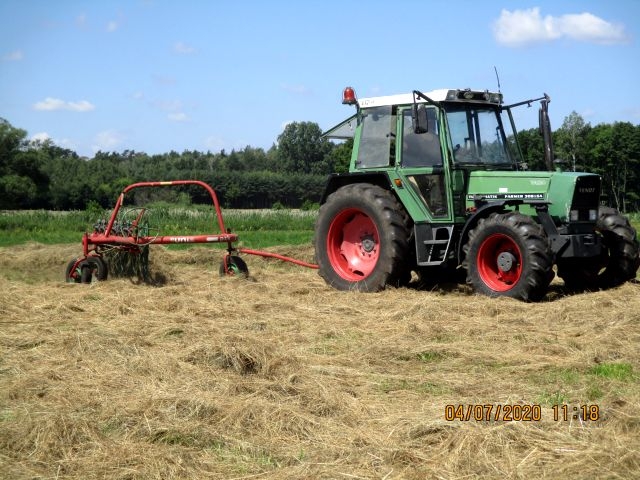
485,412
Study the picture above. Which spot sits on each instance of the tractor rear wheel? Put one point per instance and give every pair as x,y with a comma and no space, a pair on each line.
508,254
618,261
361,239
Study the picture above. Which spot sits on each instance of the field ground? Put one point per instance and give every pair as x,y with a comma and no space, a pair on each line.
279,376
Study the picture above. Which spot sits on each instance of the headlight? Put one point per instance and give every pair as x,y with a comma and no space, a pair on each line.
573,215
593,215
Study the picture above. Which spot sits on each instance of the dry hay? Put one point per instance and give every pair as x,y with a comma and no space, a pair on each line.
279,376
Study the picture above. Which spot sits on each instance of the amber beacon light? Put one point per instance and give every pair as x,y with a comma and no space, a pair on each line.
349,96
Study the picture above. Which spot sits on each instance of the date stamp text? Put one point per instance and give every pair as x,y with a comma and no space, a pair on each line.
497,412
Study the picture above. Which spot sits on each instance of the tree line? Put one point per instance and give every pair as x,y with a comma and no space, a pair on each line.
39,174
292,173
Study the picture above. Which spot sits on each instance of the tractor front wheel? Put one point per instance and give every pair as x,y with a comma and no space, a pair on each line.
508,254
618,261
361,239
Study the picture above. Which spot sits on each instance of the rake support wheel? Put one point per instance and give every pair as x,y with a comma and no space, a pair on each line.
86,270
232,265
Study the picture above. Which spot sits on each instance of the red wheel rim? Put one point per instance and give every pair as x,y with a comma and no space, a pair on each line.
499,262
353,244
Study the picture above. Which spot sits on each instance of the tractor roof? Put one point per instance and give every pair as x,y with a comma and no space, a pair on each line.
401,99
346,128
441,95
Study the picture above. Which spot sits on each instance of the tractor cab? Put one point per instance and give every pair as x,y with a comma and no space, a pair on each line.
428,143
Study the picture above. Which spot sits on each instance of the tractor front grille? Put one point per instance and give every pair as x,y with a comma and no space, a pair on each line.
586,196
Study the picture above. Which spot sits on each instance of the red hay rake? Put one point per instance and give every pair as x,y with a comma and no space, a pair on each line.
134,235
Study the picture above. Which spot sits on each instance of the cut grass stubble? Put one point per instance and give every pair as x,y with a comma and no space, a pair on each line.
280,375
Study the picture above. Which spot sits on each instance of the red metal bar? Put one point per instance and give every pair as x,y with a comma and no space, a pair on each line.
107,238
98,238
279,257
212,193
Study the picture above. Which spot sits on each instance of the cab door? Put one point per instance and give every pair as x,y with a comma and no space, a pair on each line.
420,164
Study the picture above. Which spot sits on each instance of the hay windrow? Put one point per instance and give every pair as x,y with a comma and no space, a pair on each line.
279,376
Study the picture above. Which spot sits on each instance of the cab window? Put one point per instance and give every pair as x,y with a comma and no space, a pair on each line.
377,138
421,149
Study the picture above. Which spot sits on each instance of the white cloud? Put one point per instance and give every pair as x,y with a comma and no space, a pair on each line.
183,49
524,27
214,143
178,117
40,137
112,26
14,56
81,20
43,137
589,28
107,141
167,105
52,104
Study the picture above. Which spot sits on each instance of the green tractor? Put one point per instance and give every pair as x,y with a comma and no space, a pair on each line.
437,187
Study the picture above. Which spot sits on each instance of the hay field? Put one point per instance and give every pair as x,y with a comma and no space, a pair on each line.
279,376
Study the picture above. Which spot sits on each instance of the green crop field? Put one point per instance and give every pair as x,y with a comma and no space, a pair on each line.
256,228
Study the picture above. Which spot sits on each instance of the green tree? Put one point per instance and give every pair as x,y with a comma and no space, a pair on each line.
532,146
17,191
23,183
569,141
11,140
302,149
614,153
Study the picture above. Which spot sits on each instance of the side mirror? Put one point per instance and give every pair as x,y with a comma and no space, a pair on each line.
419,118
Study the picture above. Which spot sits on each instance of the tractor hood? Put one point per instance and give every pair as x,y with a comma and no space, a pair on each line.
564,191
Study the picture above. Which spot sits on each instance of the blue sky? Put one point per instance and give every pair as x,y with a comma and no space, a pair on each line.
155,76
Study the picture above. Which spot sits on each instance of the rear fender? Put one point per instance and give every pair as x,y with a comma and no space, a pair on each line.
338,180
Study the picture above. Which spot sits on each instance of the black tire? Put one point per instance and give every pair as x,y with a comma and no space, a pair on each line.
407,263
71,275
93,267
232,265
617,263
86,275
508,254
362,239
